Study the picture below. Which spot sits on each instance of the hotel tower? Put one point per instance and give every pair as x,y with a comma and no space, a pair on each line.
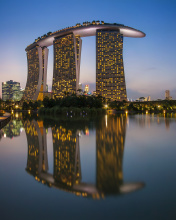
67,43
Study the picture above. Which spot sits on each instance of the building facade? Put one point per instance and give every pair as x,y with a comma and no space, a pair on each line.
86,90
11,91
37,59
110,78
66,65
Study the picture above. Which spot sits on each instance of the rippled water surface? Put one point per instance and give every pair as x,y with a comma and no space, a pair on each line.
109,167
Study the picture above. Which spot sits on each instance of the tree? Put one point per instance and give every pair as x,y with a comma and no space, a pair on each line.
25,106
46,102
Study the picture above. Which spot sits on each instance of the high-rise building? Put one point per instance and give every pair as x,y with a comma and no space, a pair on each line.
66,65
110,78
86,88
11,91
37,69
80,90
94,93
167,95
80,86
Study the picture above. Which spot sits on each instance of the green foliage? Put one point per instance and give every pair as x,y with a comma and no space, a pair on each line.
93,111
65,110
25,106
75,101
72,105
57,110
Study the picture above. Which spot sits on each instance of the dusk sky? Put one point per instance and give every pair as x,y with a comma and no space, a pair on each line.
149,63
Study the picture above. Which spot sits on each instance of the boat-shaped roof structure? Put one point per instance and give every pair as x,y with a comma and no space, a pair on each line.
85,30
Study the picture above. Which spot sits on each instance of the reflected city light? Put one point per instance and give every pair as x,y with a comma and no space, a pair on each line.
106,120
87,131
67,175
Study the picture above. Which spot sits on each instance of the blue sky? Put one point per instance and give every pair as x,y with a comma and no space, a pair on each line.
150,66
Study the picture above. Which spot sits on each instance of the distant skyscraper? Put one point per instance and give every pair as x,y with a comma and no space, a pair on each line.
11,91
80,86
86,88
94,93
167,95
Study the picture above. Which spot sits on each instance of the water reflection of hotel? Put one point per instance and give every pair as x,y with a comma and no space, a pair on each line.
66,156
37,150
110,138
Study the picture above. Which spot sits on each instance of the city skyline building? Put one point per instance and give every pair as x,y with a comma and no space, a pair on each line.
167,95
11,90
80,86
67,43
86,89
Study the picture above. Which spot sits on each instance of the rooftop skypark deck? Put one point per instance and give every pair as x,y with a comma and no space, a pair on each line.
85,30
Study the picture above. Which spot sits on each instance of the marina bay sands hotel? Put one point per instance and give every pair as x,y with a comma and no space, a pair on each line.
110,78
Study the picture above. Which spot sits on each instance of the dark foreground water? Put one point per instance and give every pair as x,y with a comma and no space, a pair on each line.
110,167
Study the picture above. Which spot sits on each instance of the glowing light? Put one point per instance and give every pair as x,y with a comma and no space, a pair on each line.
106,120
5,135
106,106
126,112
147,112
164,111
29,111
87,131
